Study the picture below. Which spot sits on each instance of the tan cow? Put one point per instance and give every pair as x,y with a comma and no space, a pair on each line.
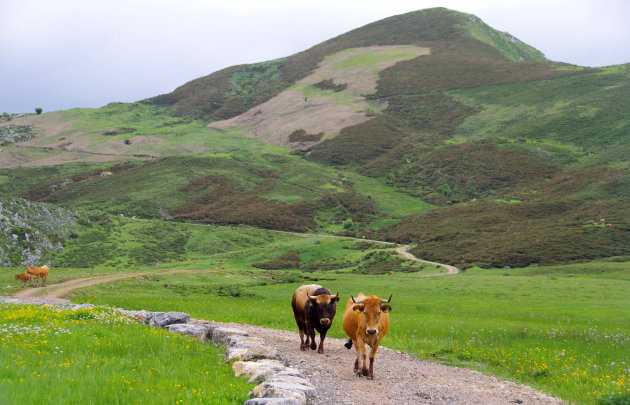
37,273
366,321
23,277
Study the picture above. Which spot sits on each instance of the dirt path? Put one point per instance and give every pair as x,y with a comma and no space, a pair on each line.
55,293
399,378
403,251
450,270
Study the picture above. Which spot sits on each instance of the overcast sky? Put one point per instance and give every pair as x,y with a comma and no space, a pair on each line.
59,54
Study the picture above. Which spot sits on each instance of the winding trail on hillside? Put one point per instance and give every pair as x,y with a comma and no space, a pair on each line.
402,250
450,270
56,293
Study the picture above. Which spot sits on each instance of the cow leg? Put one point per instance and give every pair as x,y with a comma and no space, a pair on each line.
364,369
357,360
45,278
322,336
370,374
359,348
310,336
313,344
302,345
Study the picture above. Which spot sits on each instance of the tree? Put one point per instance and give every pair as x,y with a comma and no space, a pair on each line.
38,110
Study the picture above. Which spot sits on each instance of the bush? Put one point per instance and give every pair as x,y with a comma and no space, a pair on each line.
289,260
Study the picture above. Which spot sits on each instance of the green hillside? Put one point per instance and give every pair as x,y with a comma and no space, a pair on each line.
363,135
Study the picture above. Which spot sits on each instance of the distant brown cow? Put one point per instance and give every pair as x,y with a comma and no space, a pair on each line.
314,308
37,273
23,277
366,320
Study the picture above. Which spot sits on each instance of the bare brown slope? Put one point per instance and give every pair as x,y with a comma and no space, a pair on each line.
305,106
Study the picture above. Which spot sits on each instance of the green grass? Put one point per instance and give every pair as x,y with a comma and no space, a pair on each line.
177,135
89,356
388,199
509,46
567,110
127,244
371,58
563,329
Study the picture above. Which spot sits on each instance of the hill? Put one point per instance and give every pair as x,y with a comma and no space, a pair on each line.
364,134
452,36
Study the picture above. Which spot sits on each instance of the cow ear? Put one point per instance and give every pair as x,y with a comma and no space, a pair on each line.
358,308
386,308
336,298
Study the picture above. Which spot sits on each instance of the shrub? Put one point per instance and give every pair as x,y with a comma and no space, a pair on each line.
289,260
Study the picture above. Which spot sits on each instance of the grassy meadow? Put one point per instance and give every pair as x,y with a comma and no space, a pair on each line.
95,356
562,329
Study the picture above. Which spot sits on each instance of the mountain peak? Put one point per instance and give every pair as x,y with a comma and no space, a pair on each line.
454,39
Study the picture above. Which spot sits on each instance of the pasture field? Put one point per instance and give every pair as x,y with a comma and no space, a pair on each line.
562,329
53,355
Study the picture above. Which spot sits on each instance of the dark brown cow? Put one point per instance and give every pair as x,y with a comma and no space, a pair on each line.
314,308
366,320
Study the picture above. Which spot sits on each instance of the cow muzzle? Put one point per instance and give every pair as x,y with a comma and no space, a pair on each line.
324,321
371,331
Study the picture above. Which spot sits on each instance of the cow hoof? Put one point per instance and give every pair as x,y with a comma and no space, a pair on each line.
313,347
370,377
303,348
364,372
320,351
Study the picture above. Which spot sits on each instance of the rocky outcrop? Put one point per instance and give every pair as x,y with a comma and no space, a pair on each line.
162,319
220,335
202,333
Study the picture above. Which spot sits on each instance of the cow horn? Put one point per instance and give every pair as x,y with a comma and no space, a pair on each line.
387,300
356,302
336,295
313,297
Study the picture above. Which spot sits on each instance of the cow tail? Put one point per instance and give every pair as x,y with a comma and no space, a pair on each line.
348,344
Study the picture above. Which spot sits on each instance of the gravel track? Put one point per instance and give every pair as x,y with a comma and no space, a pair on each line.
399,378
